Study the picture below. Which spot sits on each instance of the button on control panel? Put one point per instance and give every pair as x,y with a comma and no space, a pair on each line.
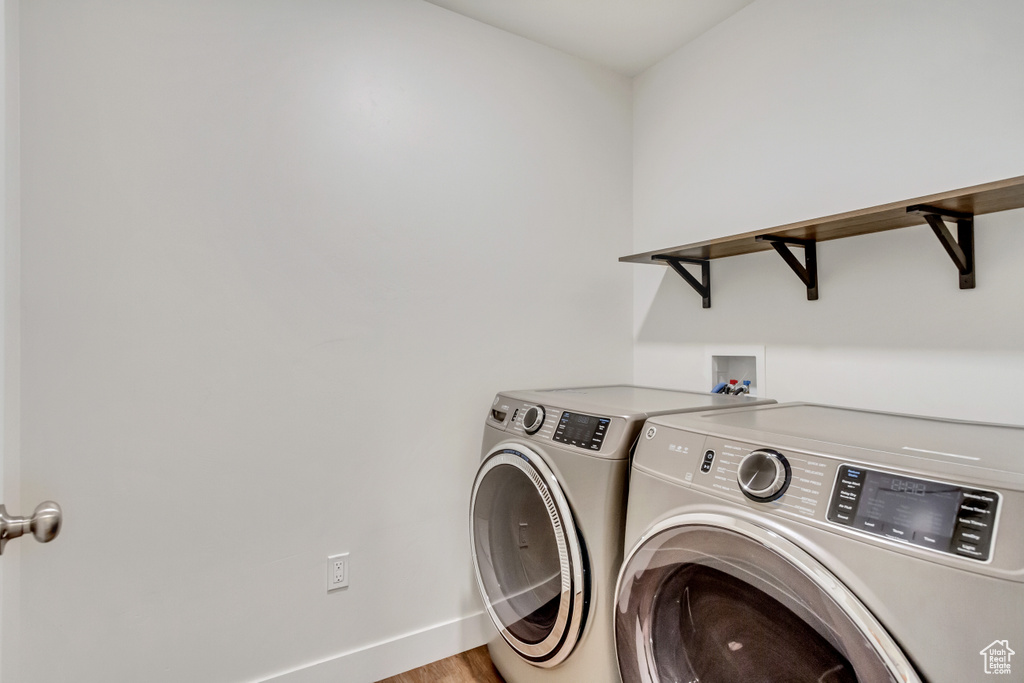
975,522
943,517
846,496
709,458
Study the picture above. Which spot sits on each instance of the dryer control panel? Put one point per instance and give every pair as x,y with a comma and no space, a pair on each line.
930,514
603,436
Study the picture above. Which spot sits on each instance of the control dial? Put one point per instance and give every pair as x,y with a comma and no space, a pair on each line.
763,475
533,419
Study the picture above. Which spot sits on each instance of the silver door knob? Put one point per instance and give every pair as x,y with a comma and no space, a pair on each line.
44,524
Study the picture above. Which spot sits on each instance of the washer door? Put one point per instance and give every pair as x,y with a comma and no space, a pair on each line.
716,599
528,556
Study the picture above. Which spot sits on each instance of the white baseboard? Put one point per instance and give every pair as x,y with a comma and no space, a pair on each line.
395,656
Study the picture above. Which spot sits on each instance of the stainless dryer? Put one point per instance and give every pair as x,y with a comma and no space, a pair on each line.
800,542
547,514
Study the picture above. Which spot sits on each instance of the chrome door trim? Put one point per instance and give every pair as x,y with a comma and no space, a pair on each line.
884,646
563,637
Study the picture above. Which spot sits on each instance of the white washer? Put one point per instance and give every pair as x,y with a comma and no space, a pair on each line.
800,542
546,522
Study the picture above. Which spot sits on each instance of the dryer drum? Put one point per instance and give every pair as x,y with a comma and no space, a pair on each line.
716,599
528,556
723,629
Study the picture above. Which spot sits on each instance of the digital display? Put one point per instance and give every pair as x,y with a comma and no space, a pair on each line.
585,431
909,508
916,488
930,514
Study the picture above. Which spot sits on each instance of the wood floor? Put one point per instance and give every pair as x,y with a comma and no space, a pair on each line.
472,666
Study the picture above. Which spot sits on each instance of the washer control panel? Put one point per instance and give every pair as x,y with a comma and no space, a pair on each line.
943,517
584,431
955,524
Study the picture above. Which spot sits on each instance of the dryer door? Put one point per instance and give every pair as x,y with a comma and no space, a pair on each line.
528,556
715,599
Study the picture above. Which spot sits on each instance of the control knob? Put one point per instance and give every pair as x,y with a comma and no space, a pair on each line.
763,475
533,419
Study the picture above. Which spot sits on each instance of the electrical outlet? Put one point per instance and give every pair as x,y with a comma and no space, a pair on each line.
337,571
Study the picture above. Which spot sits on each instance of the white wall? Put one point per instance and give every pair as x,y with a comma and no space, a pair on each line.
276,259
794,109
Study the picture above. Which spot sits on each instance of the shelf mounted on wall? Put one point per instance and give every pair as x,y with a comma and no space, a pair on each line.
806,271
960,249
704,286
959,206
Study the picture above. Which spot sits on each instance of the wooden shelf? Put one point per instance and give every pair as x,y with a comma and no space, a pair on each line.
958,205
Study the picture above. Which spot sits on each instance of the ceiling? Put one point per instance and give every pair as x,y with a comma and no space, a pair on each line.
625,35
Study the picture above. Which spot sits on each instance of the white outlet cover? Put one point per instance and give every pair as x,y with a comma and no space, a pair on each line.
337,571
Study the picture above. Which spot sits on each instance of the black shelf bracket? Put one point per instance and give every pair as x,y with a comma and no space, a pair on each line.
704,286
961,249
806,271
